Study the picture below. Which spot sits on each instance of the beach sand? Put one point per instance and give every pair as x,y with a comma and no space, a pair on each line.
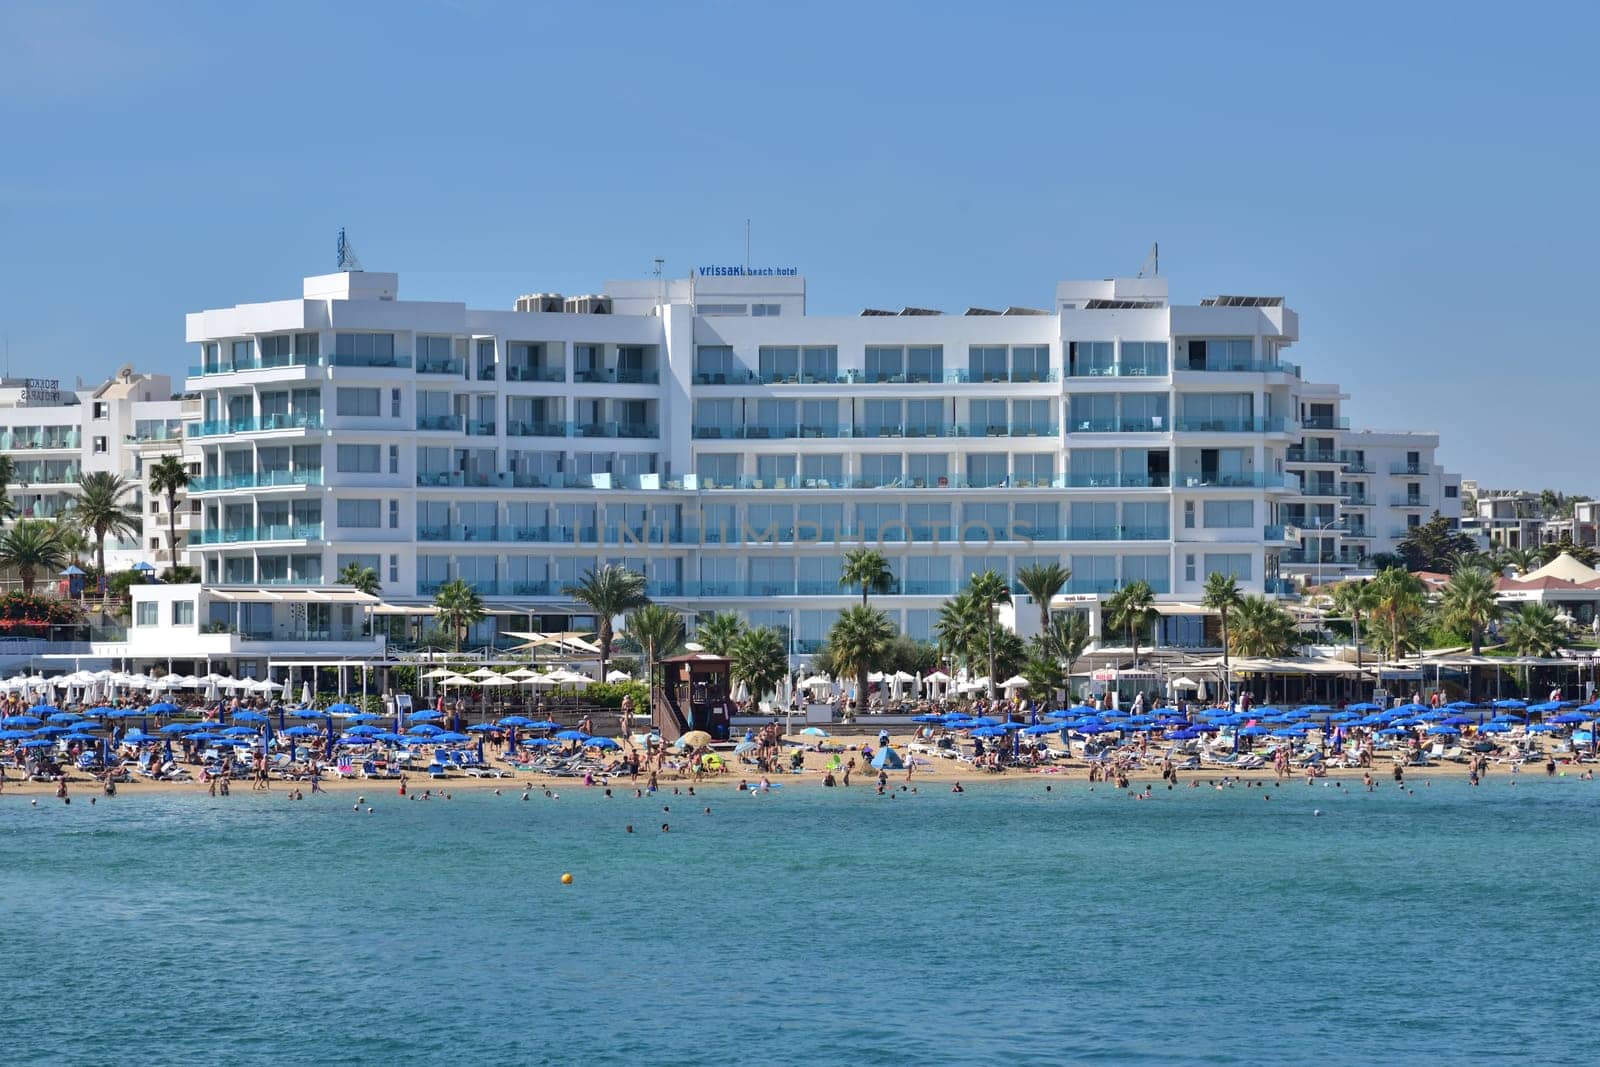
939,771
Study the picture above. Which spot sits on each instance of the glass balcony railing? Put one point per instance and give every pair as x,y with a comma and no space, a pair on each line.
1295,454
528,373
23,441
1278,586
1123,370
616,376
303,531
1324,422
212,483
452,365
1315,489
480,428
1230,480
1207,424
535,428
1408,500
1126,424
261,424
450,423
1417,469
1248,367
347,359
632,430
1274,533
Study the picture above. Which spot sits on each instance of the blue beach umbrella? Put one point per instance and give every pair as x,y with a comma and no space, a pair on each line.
237,731
362,716
537,742
343,709
302,731
601,742
163,708
1543,728
1252,731
1363,706
546,724
425,715
248,716
572,735
1494,728
1570,718
307,713
1509,702
38,742
21,720
1392,731
516,720
178,728
1444,731
424,729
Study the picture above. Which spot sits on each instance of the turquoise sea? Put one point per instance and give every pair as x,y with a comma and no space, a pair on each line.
1005,924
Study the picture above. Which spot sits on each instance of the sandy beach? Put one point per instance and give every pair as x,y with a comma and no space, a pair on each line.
941,771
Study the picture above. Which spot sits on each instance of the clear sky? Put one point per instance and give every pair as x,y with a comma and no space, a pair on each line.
1418,180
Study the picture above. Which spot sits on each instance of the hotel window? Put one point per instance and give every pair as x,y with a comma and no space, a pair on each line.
1094,574
826,468
819,363
394,459
986,363
394,569
986,468
1037,520
148,613
928,470
241,353
394,514
1144,521
713,364
1229,514
1188,567
1144,358
1451,491
1149,569
275,350
1234,564
1030,363
183,613
925,363
717,468
307,345
1188,514
765,310
721,309
358,347
885,364
100,446
881,469
1091,359
779,363
102,409
363,402
358,459
1034,468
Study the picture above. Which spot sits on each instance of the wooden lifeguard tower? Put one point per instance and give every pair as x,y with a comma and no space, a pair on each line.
692,694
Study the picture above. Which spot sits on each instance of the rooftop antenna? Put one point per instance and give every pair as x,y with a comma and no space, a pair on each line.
1152,263
661,296
347,254
747,246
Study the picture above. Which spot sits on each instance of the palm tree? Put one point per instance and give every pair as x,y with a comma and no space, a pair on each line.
658,631
717,634
1131,608
1065,639
989,590
1523,559
1353,599
608,591
1397,603
1468,603
170,477
74,542
868,570
760,660
1043,581
8,474
29,546
858,638
100,509
458,606
1222,596
1533,631
960,628
361,579
1261,628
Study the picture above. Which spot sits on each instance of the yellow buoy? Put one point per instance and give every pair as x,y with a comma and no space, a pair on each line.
566,879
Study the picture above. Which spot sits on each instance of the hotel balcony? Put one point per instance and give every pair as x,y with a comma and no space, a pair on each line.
1192,424
444,423
303,531
1230,480
214,483
14,441
1324,422
453,366
1407,500
531,373
1414,469
1299,454
257,424
616,376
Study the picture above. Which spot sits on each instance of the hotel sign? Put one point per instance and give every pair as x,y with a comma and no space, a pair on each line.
749,272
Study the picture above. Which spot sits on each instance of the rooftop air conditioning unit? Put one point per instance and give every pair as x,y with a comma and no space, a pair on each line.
588,304
549,303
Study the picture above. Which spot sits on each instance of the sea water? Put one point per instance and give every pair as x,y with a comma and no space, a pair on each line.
1006,924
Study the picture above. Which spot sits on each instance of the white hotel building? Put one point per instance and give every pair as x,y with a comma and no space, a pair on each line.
710,434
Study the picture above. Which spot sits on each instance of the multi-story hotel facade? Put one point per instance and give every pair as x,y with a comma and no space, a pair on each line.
711,435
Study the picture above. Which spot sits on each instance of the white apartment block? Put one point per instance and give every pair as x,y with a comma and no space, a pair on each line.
710,434
55,435
1359,490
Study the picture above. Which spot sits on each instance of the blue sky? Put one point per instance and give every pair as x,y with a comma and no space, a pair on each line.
1418,181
